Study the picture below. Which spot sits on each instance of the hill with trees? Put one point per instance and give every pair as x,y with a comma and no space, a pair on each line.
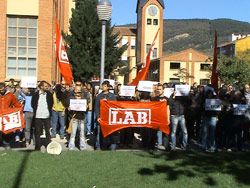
181,34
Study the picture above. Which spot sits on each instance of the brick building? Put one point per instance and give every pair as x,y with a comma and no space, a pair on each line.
27,35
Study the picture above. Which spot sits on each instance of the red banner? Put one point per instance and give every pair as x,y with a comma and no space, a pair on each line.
61,55
117,115
11,120
214,77
142,74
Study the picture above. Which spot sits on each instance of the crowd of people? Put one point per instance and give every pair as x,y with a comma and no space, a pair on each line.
46,111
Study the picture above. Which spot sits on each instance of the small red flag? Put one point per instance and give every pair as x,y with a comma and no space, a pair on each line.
142,75
61,55
214,77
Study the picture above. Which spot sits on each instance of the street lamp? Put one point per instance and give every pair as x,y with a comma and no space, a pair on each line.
104,10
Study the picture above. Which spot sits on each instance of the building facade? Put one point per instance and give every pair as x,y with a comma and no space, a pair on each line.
27,37
231,49
187,66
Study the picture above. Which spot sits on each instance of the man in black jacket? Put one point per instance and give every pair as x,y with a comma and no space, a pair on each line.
177,106
105,95
42,103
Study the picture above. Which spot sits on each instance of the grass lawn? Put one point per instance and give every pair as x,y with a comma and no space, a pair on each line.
124,169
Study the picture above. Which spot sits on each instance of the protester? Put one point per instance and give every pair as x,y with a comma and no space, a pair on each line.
77,122
58,111
7,100
208,125
156,133
28,114
105,95
177,106
42,102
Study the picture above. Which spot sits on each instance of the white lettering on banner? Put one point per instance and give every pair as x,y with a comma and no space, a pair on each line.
64,55
129,116
63,58
11,121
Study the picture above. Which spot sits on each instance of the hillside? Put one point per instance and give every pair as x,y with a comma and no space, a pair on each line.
198,33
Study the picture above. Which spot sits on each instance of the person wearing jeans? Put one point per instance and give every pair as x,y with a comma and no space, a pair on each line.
58,111
77,122
177,105
175,120
42,102
209,125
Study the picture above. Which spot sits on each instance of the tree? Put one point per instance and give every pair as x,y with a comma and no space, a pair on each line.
235,71
183,75
83,42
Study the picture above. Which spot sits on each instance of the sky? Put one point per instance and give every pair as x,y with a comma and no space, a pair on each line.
124,11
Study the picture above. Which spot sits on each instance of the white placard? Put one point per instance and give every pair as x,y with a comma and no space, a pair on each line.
168,92
128,91
111,82
110,91
182,90
78,104
213,105
146,86
240,109
28,82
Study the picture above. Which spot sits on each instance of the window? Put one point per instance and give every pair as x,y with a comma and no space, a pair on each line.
175,65
155,52
205,66
124,58
22,47
148,48
155,22
149,21
174,80
133,44
204,82
124,41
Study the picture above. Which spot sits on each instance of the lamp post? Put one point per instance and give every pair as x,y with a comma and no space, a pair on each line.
104,10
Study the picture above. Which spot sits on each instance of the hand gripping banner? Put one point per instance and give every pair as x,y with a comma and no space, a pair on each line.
117,115
11,120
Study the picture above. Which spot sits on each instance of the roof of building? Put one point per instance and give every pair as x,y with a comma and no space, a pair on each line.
141,3
125,31
231,42
184,56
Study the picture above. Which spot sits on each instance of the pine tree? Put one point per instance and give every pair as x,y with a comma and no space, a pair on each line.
84,42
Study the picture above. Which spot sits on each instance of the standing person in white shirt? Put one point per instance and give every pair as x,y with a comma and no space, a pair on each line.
42,102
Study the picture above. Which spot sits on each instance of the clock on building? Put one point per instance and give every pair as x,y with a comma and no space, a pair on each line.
152,11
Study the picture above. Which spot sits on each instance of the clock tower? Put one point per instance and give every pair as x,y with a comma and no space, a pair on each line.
149,20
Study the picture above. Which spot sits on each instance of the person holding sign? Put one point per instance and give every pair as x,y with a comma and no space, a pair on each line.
177,106
209,123
77,122
239,102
